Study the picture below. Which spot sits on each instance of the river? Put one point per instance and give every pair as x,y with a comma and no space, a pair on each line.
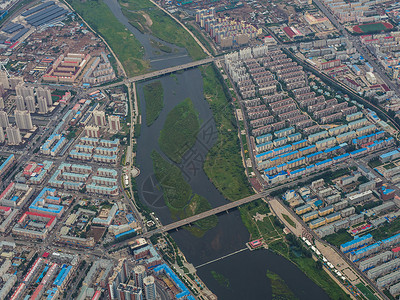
246,271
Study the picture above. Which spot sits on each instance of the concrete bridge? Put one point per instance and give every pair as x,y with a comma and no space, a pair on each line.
198,217
162,72
212,212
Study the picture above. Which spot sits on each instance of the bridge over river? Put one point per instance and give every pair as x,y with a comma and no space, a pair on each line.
198,217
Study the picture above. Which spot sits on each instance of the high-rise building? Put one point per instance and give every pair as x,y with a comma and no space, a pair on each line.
139,273
99,118
129,292
114,123
14,81
2,90
24,91
149,286
30,104
19,102
45,93
13,135
120,274
4,80
92,131
2,137
23,119
43,109
4,119
1,103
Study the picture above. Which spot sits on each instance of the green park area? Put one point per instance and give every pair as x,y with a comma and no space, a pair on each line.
147,18
223,163
180,130
154,98
338,238
257,217
125,46
280,290
179,197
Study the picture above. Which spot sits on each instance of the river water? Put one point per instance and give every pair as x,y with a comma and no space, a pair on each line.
246,271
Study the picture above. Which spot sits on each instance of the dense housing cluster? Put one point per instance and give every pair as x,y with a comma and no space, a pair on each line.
296,131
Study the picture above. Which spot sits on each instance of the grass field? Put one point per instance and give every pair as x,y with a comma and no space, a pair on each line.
179,197
154,98
372,27
223,163
366,292
289,220
162,25
125,46
180,130
280,290
338,238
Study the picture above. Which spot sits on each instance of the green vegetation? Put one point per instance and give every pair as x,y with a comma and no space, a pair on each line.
266,226
177,191
161,46
179,197
201,38
223,163
153,95
197,205
289,220
386,230
280,290
366,292
147,18
127,48
180,130
320,277
338,238
370,28
369,205
221,279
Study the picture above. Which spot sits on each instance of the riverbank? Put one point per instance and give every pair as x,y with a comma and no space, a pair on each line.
148,18
126,47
